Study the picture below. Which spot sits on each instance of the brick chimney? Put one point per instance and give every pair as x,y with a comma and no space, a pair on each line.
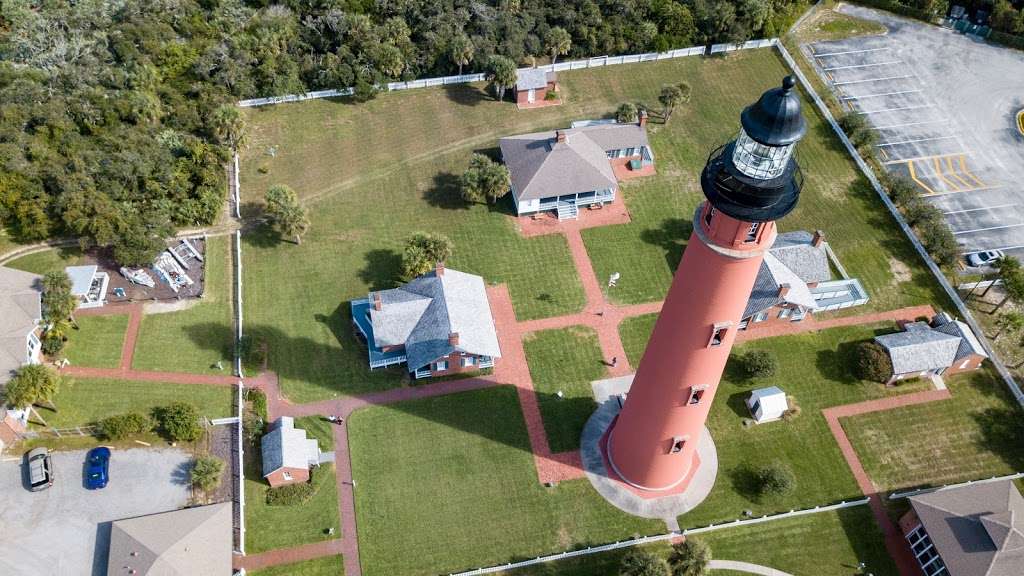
819,237
783,290
439,269
642,118
559,135
453,338
378,304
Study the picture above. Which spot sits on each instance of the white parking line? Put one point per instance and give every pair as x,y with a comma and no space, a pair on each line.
987,229
915,141
905,124
1005,248
872,80
877,95
893,109
852,51
985,208
950,193
862,65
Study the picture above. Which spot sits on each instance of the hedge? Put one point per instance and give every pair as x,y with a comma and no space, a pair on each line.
293,494
122,426
1007,39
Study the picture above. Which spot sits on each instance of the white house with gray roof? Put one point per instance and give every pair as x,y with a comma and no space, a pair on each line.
945,346
439,323
795,279
21,313
563,170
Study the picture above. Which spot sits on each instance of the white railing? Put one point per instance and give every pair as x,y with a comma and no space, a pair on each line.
388,362
238,303
921,251
658,538
240,493
909,493
236,188
594,62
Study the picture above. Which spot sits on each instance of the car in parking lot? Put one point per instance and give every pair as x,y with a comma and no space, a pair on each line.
40,469
984,258
97,467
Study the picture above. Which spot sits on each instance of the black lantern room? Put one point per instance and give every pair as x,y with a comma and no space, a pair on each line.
755,178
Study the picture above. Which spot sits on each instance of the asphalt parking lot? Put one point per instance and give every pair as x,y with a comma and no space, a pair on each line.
944,105
65,530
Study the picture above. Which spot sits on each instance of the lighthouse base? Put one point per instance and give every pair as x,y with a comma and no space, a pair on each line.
630,499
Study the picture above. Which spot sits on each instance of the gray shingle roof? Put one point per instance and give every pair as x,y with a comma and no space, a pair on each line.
978,530
969,344
527,78
178,543
287,447
542,167
21,311
792,260
454,302
919,348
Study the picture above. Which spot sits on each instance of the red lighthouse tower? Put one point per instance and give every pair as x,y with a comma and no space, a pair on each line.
749,183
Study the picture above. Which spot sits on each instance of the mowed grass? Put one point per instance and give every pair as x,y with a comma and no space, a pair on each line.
565,360
86,401
325,566
318,427
836,198
97,342
48,260
828,24
268,527
824,544
977,434
195,339
816,369
449,483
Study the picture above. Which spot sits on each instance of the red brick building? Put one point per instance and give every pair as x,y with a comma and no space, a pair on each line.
533,86
942,347
288,454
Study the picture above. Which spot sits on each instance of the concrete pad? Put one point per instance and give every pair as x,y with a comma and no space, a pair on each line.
617,492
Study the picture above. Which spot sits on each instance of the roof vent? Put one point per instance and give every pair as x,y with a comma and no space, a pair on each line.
559,135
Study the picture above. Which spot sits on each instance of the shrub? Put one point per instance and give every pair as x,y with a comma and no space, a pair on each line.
690,558
259,402
121,426
642,563
872,362
52,345
920,213
938,239
179,422
551,95
794,409
775,479
759,364
626,113
206,472
902,190
292,494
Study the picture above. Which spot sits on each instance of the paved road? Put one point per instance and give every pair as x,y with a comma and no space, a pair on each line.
944,105
65,531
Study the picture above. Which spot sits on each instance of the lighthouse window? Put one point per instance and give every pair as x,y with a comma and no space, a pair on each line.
708,215
678,443
752,232
718,334
759,161
696,395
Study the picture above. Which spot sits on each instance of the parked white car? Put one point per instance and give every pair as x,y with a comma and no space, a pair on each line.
984,258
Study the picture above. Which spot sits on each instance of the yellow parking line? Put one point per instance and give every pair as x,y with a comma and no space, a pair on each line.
918,158
885,155
963,166
938,171
913,176
952,170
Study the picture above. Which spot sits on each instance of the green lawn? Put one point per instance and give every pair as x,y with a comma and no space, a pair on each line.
828,24
976,434
371,174
195,339
449,483
85,401
48,260
815,368
646,251
568,360
97,342
319,428
326,566
269,527
823,544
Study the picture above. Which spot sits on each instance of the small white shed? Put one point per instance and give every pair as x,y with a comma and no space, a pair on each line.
767,404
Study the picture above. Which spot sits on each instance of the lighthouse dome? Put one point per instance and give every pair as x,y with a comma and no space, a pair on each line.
775,119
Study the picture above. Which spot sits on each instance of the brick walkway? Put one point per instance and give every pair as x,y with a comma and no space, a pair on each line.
289,555
548,223
894,541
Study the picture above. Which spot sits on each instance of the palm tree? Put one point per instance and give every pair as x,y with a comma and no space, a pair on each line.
690,557
293,222
557,42
670,97
460,50
58,301
501,72
33,384
228,125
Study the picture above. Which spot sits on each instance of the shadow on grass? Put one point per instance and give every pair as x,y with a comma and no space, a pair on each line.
1002,432
838,364
671,237
445,192
262,235
866,540
466,94
382,269
738,404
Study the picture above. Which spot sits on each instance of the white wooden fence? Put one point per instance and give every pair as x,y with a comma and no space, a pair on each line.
595,62
909,493
658,538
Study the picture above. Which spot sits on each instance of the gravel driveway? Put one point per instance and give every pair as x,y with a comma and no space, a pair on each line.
65,531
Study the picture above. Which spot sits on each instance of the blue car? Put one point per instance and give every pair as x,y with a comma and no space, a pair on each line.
97,463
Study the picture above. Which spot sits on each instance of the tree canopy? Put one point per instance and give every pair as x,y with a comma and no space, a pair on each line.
423,251
485,179
285,213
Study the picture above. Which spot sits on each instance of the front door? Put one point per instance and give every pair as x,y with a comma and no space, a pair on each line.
531,96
